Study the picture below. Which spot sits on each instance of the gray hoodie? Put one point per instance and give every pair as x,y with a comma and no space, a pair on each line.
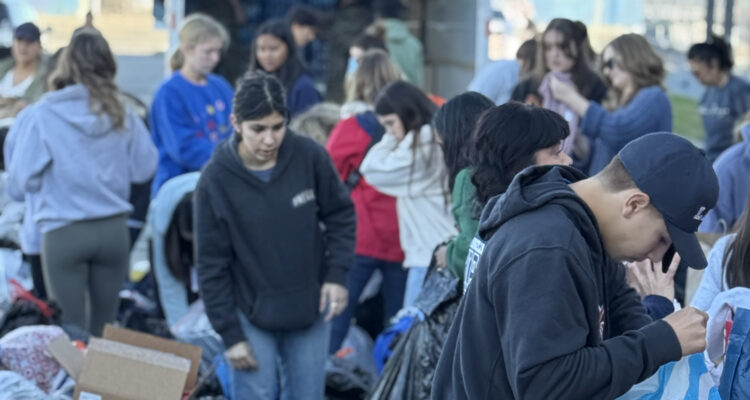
75,162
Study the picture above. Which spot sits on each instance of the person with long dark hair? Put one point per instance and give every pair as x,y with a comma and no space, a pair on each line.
727,96
454,124
641,106
78,151
728,264
274,51
408,164
275,231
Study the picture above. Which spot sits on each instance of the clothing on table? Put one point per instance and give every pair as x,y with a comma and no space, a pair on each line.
466,212
721,108
733,170
512,339
76,165
243,256
647,112
497,80
416,178
187,121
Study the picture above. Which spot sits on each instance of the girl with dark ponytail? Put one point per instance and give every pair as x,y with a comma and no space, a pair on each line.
727,97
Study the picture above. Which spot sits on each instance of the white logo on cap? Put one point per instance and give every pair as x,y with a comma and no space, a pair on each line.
701,214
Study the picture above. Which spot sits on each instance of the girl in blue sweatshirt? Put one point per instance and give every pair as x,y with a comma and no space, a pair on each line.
77,152
190,112
275,52
641,105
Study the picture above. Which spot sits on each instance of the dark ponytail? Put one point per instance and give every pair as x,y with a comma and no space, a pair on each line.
258,95
715,48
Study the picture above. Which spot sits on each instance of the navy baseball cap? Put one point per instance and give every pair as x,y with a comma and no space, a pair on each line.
28,32
681,184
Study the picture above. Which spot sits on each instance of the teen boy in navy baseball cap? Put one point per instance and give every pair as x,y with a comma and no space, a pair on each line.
548,313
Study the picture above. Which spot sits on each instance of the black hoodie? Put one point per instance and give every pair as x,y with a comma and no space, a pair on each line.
260,246
547,313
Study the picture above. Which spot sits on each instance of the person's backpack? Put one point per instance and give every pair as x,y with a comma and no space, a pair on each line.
369,123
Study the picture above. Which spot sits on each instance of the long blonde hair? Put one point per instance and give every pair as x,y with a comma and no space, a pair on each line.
635,56
88,61
374,72
194,30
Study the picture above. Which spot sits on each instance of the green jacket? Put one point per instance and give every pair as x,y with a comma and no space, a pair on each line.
36,90
405,49
464,208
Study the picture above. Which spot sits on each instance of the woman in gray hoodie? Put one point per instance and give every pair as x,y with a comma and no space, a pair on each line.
78,150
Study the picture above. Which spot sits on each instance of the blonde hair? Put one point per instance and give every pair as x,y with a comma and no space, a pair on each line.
374,72
317,122
194,30
635,56
88,61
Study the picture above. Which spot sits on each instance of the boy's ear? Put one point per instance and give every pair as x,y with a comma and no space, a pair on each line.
634,202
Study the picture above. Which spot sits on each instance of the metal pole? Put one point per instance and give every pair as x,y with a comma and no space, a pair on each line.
728,16
709,18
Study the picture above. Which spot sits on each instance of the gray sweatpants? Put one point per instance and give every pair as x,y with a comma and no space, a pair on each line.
85,265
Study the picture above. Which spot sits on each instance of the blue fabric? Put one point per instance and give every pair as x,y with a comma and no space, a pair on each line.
658,307
302,95
414,283
172,292
394,283
383,349
735,384
264,175
720,109
733,170
687,379
300,357
187,121
647,112
497,80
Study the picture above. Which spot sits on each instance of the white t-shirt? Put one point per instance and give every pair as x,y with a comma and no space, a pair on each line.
7,89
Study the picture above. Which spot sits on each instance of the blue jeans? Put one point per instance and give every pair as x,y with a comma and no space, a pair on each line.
297,357
394,282
414,285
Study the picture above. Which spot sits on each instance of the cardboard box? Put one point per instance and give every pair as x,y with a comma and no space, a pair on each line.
129,365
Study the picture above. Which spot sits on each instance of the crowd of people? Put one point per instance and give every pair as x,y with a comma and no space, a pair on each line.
553,193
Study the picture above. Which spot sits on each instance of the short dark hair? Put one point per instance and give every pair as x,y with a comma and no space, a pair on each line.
407,101
505,141
615,177
454,122
301,14
258,95
715,48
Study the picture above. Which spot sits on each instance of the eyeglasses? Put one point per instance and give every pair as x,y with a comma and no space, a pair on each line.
609,63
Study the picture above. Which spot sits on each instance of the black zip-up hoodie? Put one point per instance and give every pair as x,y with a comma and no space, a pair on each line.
547,314
260,246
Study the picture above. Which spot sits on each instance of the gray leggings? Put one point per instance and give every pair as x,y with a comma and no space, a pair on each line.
85,264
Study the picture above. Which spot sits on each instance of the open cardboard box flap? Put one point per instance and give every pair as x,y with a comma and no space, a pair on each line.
73,360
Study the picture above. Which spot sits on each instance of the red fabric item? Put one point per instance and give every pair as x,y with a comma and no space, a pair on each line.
439,101
377,223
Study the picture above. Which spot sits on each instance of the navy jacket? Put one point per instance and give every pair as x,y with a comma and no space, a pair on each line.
547,313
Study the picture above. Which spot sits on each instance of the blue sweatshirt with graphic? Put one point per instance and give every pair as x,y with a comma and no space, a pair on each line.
720,109
187,121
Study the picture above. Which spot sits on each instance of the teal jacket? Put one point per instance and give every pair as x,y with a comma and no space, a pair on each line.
405,49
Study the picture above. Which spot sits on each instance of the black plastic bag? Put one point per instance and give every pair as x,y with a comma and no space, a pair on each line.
409,372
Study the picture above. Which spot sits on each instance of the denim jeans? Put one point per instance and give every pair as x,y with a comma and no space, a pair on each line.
297,357
394,282
414,285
